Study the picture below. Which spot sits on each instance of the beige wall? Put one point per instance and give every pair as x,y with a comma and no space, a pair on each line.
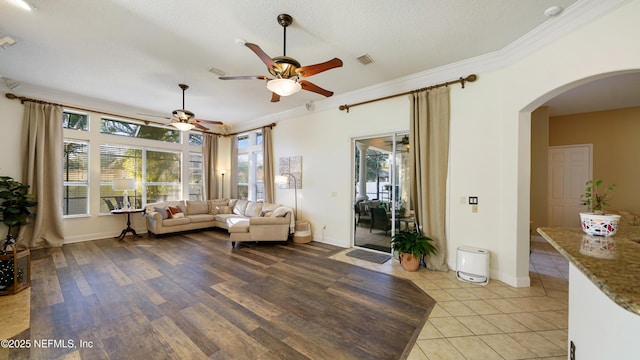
616,148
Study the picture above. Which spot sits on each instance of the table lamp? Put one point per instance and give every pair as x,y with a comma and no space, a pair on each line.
124,185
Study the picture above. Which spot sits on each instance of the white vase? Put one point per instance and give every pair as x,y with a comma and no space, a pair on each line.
599,224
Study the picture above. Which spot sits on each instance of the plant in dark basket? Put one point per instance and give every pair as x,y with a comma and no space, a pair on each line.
410,245
15,210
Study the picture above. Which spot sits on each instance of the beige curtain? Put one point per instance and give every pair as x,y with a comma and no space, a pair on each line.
429,144
233,171
210,164
42,146
267,157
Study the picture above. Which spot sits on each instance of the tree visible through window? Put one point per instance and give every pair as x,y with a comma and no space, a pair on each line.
159,180
76,177
250,180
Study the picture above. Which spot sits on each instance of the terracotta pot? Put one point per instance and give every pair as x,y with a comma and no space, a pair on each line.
409,262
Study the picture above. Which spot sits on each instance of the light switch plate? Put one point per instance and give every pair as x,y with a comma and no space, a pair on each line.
473,200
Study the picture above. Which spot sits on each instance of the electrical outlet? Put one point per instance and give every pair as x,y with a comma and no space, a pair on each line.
474,208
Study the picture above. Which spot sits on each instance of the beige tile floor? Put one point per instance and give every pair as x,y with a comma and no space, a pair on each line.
496,321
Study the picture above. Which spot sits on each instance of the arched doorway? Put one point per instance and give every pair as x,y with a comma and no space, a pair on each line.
598,93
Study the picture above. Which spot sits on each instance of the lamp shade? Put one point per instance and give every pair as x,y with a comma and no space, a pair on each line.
284,87
183,126
124,184
281,179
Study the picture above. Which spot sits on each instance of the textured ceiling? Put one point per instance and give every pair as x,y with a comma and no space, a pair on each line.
136,52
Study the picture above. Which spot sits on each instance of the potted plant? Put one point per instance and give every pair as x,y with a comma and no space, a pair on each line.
410,245
15,206
595,221
595,200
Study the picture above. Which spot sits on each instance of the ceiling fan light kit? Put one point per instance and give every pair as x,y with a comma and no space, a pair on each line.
185,120
183,126
287,71
284,87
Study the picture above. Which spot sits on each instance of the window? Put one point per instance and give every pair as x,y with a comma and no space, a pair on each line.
118,162
163,180
75,121
243,176
196,139
166,163
195,176
76,177
156,172
124,128
250,167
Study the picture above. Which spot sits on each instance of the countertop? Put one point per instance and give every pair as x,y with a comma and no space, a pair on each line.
611,263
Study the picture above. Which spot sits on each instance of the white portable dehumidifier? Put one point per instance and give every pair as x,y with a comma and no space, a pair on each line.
472,265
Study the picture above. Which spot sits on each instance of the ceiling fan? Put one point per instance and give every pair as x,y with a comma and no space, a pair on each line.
402,144
184,119
287,71
404,140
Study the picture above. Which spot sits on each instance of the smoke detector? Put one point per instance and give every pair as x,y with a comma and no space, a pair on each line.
552,11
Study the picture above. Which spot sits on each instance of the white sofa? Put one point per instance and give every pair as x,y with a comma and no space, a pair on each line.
245,220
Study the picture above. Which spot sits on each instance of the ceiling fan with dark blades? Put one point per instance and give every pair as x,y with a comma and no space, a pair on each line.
287,71
184,119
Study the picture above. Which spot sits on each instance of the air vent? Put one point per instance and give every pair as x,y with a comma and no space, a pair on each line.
6,41
217,71
365,59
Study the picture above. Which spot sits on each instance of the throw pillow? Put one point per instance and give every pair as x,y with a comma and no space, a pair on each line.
178,215
223,210
240,207
172,211
280,212
163,212
213,204
266,213
253,209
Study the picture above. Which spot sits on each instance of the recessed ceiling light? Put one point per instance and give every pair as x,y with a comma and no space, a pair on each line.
552,11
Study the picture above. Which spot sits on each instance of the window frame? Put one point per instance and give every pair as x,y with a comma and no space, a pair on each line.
86,183
251,148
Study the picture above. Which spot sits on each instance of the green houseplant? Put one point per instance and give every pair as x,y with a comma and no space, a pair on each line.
595,199
595,221
410,245
15,205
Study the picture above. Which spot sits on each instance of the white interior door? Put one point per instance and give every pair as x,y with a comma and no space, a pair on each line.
569,170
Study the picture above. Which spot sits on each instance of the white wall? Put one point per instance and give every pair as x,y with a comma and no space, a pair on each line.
323,139
490,138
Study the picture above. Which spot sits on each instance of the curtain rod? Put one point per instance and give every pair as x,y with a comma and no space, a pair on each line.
23,99
272,125
461,80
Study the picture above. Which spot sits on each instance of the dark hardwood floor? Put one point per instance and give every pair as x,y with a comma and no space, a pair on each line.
191,296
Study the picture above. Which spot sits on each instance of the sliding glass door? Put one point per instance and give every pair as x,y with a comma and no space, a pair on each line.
381,202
